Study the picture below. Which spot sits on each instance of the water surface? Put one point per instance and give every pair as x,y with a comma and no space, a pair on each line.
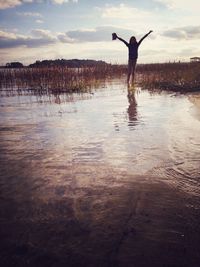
134,131
106,178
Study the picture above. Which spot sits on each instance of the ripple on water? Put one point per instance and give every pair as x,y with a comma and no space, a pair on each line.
183,166
136,132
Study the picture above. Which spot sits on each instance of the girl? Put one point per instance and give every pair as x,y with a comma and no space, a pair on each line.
133,53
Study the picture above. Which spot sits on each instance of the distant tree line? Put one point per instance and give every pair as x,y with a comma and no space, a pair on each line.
14,65
71,63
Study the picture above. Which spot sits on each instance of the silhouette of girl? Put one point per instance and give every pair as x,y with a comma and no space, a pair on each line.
133,53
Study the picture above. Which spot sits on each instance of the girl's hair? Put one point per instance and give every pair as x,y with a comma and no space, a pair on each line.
132,40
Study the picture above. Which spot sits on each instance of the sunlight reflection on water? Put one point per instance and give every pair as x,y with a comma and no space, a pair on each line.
135,132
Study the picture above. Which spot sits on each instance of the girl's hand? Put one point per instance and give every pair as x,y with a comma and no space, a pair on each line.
114,36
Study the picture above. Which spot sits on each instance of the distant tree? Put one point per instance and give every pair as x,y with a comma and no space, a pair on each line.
71,63
14,65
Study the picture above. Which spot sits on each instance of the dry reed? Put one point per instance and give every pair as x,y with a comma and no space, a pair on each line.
56,79
183,77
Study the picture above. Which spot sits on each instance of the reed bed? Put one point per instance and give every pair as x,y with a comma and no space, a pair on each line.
56,79
183,77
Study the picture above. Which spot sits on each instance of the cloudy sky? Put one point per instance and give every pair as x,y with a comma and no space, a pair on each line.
48,29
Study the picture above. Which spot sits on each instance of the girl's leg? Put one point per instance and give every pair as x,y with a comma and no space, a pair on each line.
128,77
133,70
129,71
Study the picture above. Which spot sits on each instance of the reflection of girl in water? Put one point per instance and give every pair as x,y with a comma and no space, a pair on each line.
133,53
132,108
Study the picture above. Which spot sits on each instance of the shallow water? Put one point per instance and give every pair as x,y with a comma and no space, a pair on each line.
106,178
136,132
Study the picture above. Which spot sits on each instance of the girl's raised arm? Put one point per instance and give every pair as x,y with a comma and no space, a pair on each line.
144,37
122,40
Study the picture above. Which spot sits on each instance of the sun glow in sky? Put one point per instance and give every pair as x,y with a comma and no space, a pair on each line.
33,30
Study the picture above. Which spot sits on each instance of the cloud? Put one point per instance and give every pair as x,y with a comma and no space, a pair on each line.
64,38
39,38
41,33
4,4
98,34
39,21
9,3
30,14
12,3
183,33
166,3
192,5
60,2
52,37
122,11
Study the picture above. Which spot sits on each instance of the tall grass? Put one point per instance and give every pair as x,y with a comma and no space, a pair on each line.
165,76
56,79
170,76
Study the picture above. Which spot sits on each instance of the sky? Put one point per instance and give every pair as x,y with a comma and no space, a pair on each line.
33,30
